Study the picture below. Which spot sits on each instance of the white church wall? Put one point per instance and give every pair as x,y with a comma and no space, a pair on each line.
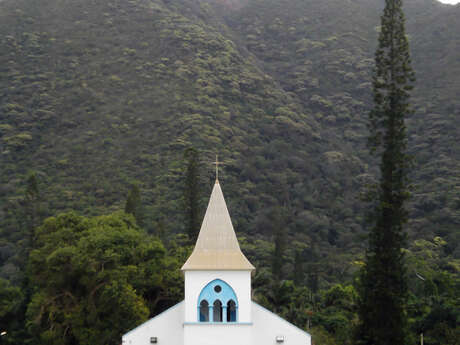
218,334
267,326
240,281
166,327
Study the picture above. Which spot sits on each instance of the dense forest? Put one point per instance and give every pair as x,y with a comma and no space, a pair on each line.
101,103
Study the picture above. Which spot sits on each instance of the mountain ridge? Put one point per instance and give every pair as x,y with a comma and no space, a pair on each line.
97,96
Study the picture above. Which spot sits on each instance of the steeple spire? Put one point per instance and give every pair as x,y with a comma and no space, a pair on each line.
217,247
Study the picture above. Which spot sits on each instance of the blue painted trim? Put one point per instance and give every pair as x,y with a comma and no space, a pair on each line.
226,295
171,308
211,313
279,317
211,296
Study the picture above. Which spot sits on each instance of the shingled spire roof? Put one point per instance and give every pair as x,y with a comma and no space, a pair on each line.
217,247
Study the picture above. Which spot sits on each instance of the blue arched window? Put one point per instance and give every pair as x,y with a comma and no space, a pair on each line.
204,311
217,303
231,311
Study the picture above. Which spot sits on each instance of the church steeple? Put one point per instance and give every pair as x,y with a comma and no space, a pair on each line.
217,306
217,247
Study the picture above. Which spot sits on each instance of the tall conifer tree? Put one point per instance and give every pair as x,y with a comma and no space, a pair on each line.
279,239
31,216
383,290
31,202
134,205
192,193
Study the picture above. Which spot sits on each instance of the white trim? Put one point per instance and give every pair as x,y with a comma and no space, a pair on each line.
218,323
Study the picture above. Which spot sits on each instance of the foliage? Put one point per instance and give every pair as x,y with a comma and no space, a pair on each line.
383,286
91,279
434,301
134,205
11,312
279,96
279,238
192,193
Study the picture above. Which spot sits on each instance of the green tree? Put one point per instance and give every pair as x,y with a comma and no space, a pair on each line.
11,313
383,289
134,205
31,198
93,279
279,238
27,213
31,211
278,252
337,312
298,273
312,258
192,193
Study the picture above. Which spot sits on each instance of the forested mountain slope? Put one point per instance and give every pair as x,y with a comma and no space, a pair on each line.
321,53
95,96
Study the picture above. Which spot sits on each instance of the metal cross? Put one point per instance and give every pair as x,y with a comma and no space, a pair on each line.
217,167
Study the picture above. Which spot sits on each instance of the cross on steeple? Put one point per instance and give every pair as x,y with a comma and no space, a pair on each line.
217,167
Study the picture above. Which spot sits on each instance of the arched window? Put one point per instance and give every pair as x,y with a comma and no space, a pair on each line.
217,311
231,311
221,303
204,311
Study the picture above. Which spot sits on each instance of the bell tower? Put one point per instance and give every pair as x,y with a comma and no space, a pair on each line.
217,274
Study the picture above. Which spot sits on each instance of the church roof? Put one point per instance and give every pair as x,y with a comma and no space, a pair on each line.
217,247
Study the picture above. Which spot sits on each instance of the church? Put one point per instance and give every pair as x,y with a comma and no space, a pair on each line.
217,309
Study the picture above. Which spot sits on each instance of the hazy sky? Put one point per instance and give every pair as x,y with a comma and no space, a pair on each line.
453,2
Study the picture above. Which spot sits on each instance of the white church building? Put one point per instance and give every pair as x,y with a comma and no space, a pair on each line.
217,309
